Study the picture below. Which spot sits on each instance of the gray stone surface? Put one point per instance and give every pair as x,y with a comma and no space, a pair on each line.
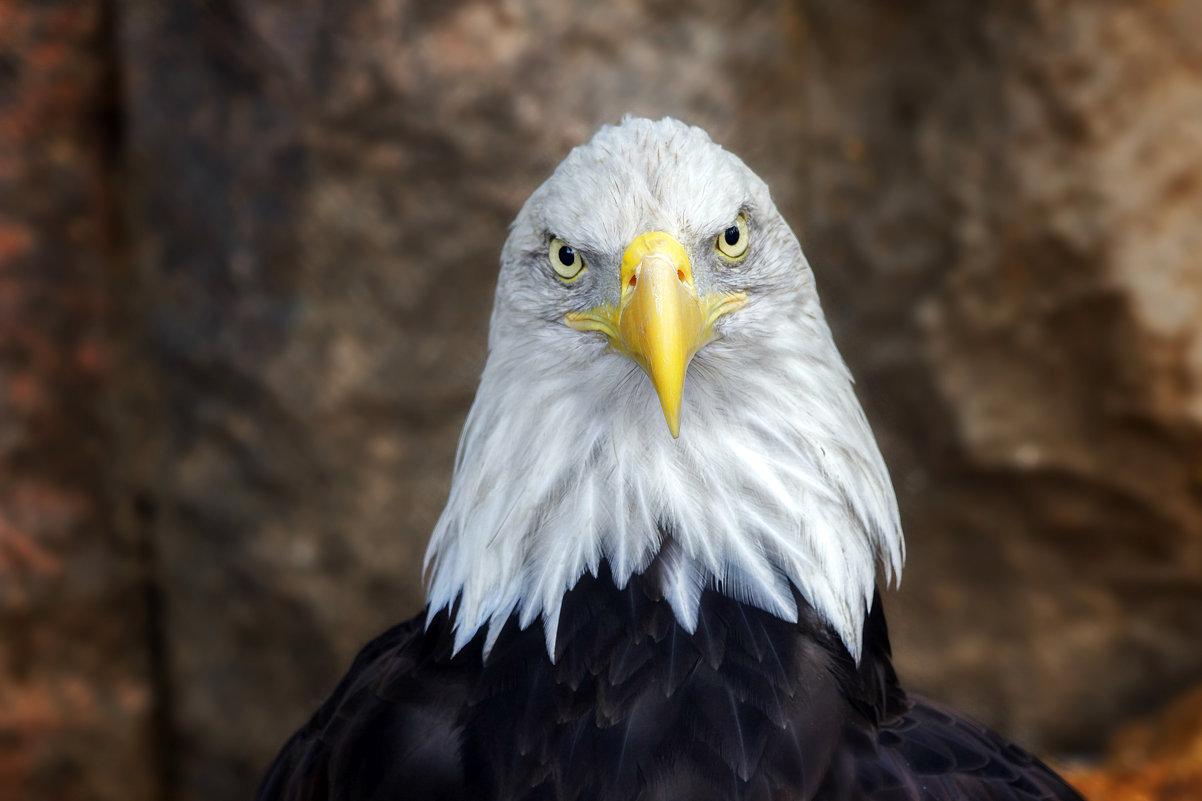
1009,242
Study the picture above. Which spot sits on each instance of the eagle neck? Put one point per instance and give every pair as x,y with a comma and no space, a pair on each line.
774,488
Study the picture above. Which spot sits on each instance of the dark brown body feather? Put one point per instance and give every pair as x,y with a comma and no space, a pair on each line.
634,707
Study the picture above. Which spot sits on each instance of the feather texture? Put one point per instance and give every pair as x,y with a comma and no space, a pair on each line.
746,706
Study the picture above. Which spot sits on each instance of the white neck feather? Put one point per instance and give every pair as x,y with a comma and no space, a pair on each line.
565,460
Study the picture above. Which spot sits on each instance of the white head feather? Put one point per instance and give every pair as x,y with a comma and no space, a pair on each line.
566,460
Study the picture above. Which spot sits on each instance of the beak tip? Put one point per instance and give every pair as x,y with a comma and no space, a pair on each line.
673,421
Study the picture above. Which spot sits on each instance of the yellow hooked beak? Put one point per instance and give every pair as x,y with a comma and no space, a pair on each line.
660,322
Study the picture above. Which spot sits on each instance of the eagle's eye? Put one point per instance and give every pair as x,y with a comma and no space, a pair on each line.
567,263
732,243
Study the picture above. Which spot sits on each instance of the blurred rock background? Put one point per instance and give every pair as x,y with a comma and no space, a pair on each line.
247,251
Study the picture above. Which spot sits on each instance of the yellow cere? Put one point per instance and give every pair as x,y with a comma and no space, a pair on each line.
665,246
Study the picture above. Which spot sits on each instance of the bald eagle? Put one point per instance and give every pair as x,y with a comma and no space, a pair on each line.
623,609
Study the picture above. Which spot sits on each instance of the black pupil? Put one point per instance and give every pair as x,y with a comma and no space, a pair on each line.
731,235
567,256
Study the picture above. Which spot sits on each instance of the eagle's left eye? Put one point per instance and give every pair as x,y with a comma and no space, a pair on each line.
566,261
732,243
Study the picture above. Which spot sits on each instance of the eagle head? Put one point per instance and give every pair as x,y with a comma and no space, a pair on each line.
661,384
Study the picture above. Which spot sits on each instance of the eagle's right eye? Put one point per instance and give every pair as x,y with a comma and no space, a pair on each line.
567,263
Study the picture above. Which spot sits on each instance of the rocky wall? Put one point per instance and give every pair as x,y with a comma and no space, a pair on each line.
232,392
77,696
